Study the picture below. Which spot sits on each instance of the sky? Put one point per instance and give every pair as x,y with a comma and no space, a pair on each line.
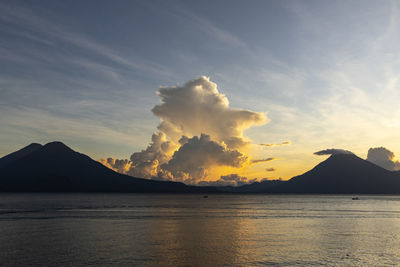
321,74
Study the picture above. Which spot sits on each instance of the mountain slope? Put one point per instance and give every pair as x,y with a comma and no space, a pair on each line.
343,174
56,167
19,154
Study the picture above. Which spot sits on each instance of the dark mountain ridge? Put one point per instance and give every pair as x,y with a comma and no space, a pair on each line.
55,167
343,174
19,154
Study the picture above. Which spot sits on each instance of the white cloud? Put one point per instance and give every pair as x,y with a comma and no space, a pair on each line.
198,132
197,155
198,107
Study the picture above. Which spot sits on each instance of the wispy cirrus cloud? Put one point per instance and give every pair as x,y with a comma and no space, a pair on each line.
254,161
47,32
278,144
203,24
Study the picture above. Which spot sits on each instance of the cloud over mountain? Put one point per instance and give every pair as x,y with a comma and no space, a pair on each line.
332,151
384,158
119,165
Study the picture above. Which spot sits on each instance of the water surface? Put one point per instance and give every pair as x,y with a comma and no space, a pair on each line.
189,230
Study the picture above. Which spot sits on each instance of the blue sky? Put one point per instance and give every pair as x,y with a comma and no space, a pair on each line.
326,73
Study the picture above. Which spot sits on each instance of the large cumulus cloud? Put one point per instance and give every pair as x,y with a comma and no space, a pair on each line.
198,131
383,157
197,155
198,107
146,163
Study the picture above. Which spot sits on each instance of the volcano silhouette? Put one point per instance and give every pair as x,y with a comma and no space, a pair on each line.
343,174
55,167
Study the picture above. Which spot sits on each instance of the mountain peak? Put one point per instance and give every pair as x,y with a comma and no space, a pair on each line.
33,145
19,154
56,146
344,174
350,160
344,155
55,143
57,168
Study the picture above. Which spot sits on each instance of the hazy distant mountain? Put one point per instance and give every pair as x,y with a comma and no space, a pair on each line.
256,187
343,174
56,167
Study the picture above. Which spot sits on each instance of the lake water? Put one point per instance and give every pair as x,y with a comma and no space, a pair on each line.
189,230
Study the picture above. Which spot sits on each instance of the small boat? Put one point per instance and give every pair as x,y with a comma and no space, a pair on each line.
355,198
205,196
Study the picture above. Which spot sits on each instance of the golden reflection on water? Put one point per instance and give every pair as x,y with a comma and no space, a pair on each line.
188,230
320,234
193,241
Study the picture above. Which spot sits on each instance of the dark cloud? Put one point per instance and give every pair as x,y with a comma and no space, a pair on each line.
383,157
332,151
254,161
278,144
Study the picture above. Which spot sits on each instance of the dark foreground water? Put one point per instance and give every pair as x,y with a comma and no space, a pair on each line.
189,230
